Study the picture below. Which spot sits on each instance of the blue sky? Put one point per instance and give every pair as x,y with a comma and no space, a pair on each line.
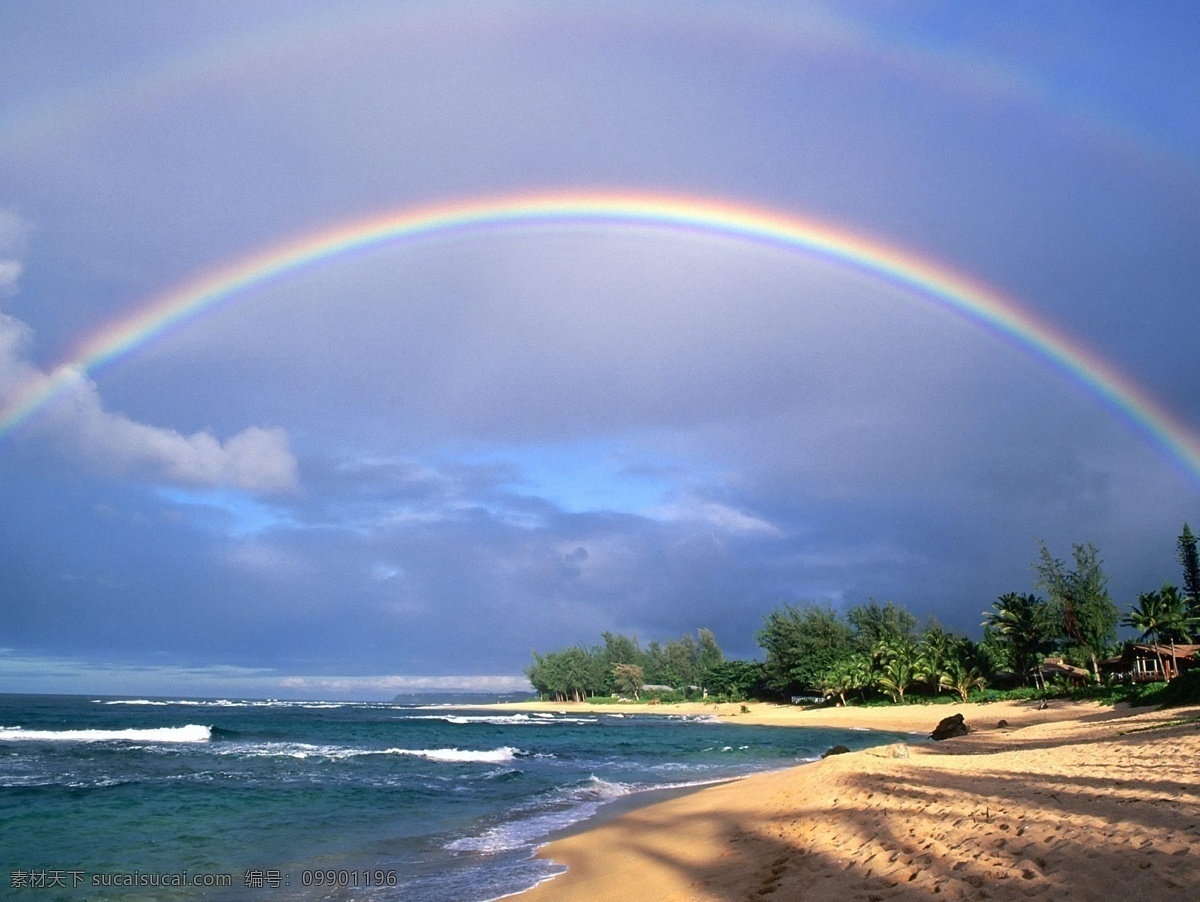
405,469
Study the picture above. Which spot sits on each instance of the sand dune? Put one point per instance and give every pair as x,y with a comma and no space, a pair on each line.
1080,802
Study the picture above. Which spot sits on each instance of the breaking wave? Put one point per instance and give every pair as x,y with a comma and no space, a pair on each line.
494,756
190,733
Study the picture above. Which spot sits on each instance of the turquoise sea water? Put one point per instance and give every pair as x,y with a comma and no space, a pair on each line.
105,798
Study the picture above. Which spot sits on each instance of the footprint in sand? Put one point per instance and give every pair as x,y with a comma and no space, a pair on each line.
771,882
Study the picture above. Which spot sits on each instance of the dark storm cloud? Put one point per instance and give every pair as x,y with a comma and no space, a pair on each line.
417,464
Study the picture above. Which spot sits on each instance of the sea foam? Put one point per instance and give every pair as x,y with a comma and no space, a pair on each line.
189,733
545,816
455,756
555,812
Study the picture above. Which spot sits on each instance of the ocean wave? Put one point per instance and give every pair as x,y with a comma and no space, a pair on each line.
504,720
559,810
458,756
189,733
304,750
299,750
563,808
499,720
129,701
235,703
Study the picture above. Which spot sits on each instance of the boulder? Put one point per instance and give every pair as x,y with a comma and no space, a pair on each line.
949,727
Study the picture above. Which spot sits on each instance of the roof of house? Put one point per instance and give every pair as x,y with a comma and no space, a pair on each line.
1181,650
1058,665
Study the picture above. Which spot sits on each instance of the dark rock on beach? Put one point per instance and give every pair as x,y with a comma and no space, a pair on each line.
949,727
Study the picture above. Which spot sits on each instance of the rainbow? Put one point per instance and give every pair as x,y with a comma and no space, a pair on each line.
925,279
276,45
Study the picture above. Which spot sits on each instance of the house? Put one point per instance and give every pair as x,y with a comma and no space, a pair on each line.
1146,664
1057,667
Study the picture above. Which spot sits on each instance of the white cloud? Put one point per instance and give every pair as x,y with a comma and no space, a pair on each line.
13,231
254,459
15,371
712,513
10,272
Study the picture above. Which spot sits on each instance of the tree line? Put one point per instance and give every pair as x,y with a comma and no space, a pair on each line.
620,666
876,650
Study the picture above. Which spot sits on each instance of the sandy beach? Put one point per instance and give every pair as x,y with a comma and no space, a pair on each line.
1077,801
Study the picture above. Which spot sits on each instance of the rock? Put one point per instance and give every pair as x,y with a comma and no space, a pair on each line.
949,727
836,750
1002,724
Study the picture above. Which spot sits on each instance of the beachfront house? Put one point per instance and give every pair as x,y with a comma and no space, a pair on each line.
1057,667
1149,664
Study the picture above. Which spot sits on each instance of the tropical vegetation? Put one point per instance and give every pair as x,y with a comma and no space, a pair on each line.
873,651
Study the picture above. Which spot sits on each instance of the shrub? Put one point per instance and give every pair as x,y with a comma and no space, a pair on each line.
1183,690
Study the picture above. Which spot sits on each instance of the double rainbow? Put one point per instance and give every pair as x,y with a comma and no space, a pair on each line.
925,279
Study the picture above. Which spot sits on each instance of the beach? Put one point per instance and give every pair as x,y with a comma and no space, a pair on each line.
1074,801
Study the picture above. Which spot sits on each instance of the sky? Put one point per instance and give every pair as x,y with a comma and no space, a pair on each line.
402,465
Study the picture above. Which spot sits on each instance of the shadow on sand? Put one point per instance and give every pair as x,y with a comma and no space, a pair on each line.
1121,819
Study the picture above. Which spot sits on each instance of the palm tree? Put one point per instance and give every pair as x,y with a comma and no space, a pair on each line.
1023,620
899,667
936,648
861,668
839,679
1149,616
1176,625
961,677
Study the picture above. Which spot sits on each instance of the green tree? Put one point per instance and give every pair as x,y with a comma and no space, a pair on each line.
683,657
541,676
654,660
995,651
1189,559
620,649
874,623
1148,617
581,672
936,648
629,679
899,667
1080,594
962,677
1163,615
1025,626
709,655
735,680
847,675
801,644
617,649
1178,623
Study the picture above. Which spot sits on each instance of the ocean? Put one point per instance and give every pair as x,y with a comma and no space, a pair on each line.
214,799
